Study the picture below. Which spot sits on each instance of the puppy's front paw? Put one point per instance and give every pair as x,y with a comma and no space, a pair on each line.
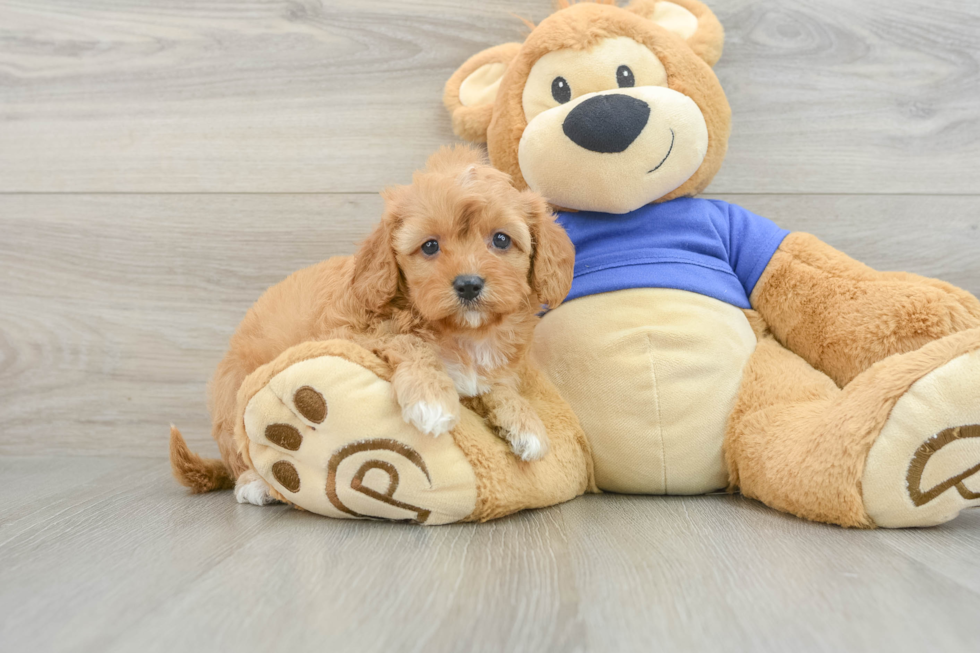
431,417
250,488
528,446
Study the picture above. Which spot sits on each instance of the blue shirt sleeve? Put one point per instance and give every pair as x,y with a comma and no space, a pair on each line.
752,241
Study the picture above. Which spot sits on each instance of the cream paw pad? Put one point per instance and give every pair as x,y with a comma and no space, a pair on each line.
924,467
327,434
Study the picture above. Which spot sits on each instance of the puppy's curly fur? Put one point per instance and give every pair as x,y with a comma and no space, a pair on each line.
401,303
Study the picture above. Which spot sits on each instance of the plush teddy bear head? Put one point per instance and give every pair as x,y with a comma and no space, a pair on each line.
601,108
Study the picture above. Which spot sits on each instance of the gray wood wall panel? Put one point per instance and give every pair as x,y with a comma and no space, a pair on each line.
114,309
337,96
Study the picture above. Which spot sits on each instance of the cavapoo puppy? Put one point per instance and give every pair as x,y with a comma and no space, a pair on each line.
447,289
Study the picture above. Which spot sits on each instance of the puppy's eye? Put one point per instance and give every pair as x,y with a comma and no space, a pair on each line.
624,77
560,90
430,247
501,240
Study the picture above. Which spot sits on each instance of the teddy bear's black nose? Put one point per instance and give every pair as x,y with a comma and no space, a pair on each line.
468,287
607,123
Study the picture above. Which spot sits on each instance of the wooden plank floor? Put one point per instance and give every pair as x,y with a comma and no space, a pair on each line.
164,161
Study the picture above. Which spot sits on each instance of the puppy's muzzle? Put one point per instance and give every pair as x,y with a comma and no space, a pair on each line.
607,123
468,287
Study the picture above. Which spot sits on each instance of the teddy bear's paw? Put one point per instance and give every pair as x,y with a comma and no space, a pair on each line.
329,437
924,466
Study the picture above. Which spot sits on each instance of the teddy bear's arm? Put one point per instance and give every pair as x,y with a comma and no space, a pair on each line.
842,316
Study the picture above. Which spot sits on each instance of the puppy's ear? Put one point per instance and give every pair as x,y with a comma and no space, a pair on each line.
376,273
553,259
471,91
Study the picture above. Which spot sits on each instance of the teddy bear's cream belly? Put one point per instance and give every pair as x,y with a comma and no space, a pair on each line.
652,374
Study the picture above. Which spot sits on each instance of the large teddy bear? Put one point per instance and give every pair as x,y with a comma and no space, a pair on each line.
701,348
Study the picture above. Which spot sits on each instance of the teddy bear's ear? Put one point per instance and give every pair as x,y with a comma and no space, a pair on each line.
472,89
690,20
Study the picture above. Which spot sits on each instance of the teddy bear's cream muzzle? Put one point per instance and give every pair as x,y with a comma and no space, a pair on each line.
614,151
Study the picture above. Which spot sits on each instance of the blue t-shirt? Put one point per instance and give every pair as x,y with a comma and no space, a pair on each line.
705,246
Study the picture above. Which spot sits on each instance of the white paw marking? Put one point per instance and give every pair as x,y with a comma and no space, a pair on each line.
429,418
255,492
528,446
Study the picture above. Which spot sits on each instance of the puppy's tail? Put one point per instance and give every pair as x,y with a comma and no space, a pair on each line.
192,471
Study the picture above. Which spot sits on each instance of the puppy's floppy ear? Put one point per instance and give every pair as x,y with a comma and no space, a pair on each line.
376,273
553,259
689,19
470,93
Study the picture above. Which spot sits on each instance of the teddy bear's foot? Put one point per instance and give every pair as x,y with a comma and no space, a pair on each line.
328,436
924,466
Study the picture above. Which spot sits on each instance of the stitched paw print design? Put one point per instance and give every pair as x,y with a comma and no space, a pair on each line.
943,445
328,435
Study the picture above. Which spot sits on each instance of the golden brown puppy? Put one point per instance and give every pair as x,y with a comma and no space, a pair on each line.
447,288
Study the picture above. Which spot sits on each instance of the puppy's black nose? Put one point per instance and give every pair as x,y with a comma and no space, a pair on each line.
468,286
607,123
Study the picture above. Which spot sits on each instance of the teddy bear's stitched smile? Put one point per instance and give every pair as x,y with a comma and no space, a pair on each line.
669,150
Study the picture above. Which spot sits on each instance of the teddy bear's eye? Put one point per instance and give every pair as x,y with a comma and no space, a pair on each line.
430,247
624,77
560,90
